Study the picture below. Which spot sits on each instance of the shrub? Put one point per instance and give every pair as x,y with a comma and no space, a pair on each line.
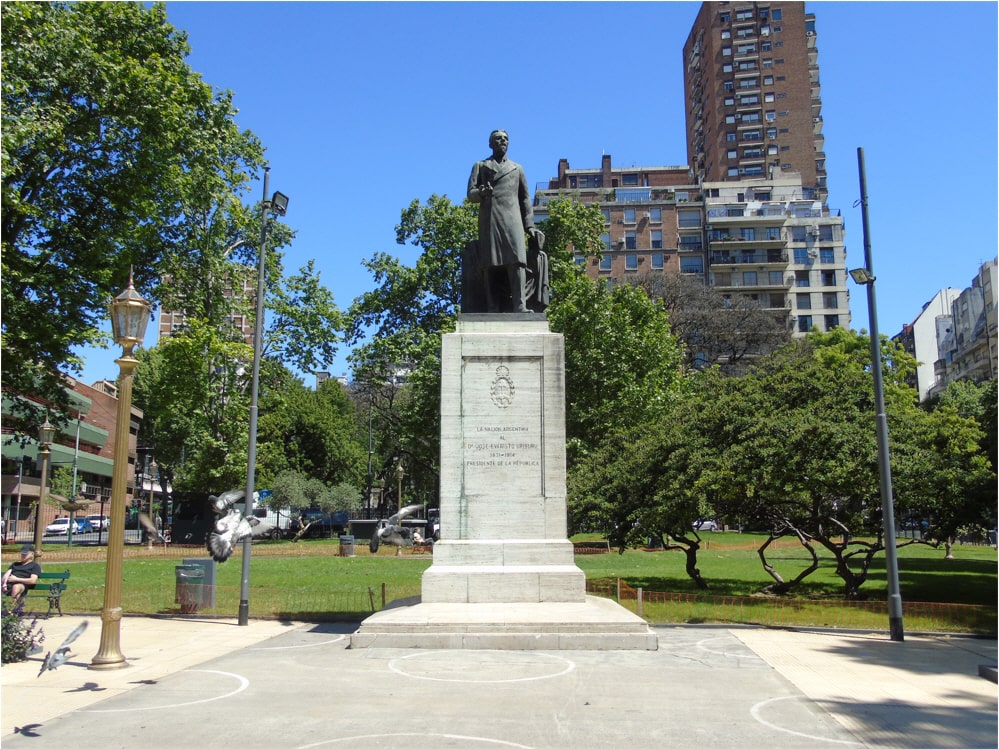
20,639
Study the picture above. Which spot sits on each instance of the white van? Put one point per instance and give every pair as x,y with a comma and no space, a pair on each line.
273,524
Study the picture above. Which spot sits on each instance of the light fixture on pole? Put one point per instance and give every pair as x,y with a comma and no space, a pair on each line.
46,433
865,276
129,317
399,474
276,206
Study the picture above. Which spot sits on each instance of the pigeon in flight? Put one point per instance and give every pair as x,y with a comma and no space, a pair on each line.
61,655
231,527
392,531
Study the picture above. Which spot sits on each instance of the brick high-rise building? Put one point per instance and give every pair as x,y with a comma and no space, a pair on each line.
751,86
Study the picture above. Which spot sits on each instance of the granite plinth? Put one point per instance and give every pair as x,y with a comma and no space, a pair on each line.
592,624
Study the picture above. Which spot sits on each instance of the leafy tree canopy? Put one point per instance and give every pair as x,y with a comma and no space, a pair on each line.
112,148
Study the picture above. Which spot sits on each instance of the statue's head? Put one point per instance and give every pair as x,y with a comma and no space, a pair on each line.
497,136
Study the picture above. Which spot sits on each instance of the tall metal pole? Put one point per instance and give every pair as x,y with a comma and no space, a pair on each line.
109,655
44,452
251,452
884,464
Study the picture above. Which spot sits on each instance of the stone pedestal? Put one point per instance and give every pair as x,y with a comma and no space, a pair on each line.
504,550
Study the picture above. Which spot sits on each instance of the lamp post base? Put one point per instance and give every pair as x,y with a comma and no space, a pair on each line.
109,655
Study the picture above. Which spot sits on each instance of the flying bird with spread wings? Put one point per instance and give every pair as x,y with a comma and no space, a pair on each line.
61,655
391,531
231,527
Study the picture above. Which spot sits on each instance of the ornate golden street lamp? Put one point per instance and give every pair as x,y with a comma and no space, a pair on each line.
46,433
129,316
399,474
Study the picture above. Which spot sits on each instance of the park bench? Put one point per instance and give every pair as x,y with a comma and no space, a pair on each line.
51,585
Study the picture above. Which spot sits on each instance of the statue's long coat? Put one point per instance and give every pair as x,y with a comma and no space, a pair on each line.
504,218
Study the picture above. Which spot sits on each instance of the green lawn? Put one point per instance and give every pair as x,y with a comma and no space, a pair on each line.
310,581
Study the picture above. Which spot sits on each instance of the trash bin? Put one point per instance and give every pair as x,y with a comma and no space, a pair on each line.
190,587
346,546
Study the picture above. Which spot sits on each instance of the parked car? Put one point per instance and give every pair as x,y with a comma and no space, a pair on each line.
60,527
705,525
100,522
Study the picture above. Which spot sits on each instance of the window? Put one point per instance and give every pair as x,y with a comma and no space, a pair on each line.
825,233
729,101
827,255
748,99
753,153
773,233
630,240
732,154
691,265
631,262
657,239
752,171
688,219
724,17
728,86
830,299
828,278
777,14
605,262
730,137
629,180
801,278
727,67
768,80
803,301
726,34
579,259
629,215
657,261
747,234
804,323
766,47
768,62
726,51
605,239
771,133
730,119
606,212
801,256
768,97
749,278
832,321
776,278
751,135
733,171
798,233
656,215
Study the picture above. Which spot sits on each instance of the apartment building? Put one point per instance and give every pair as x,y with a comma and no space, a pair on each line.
752,94
652,217
774,243
954,337
769,242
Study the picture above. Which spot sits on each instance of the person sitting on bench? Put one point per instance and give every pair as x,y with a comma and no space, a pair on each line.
22,575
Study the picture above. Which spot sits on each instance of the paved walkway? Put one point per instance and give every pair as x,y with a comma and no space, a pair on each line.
211,683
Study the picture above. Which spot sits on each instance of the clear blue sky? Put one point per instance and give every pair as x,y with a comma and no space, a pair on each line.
364,107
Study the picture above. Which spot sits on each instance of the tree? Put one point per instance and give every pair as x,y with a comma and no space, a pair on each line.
715,330
112,147
309,432
291,489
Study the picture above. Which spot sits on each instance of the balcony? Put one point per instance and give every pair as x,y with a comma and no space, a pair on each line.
748,257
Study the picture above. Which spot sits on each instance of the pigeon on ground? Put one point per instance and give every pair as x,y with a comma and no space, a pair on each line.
61,655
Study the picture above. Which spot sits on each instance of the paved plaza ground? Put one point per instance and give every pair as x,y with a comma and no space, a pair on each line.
210,683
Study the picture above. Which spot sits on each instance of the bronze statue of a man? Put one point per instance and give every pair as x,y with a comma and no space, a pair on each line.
502,265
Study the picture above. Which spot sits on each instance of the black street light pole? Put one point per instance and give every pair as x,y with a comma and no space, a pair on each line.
865,276
277,205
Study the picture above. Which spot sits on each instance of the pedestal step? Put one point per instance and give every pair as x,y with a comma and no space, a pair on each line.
592,624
